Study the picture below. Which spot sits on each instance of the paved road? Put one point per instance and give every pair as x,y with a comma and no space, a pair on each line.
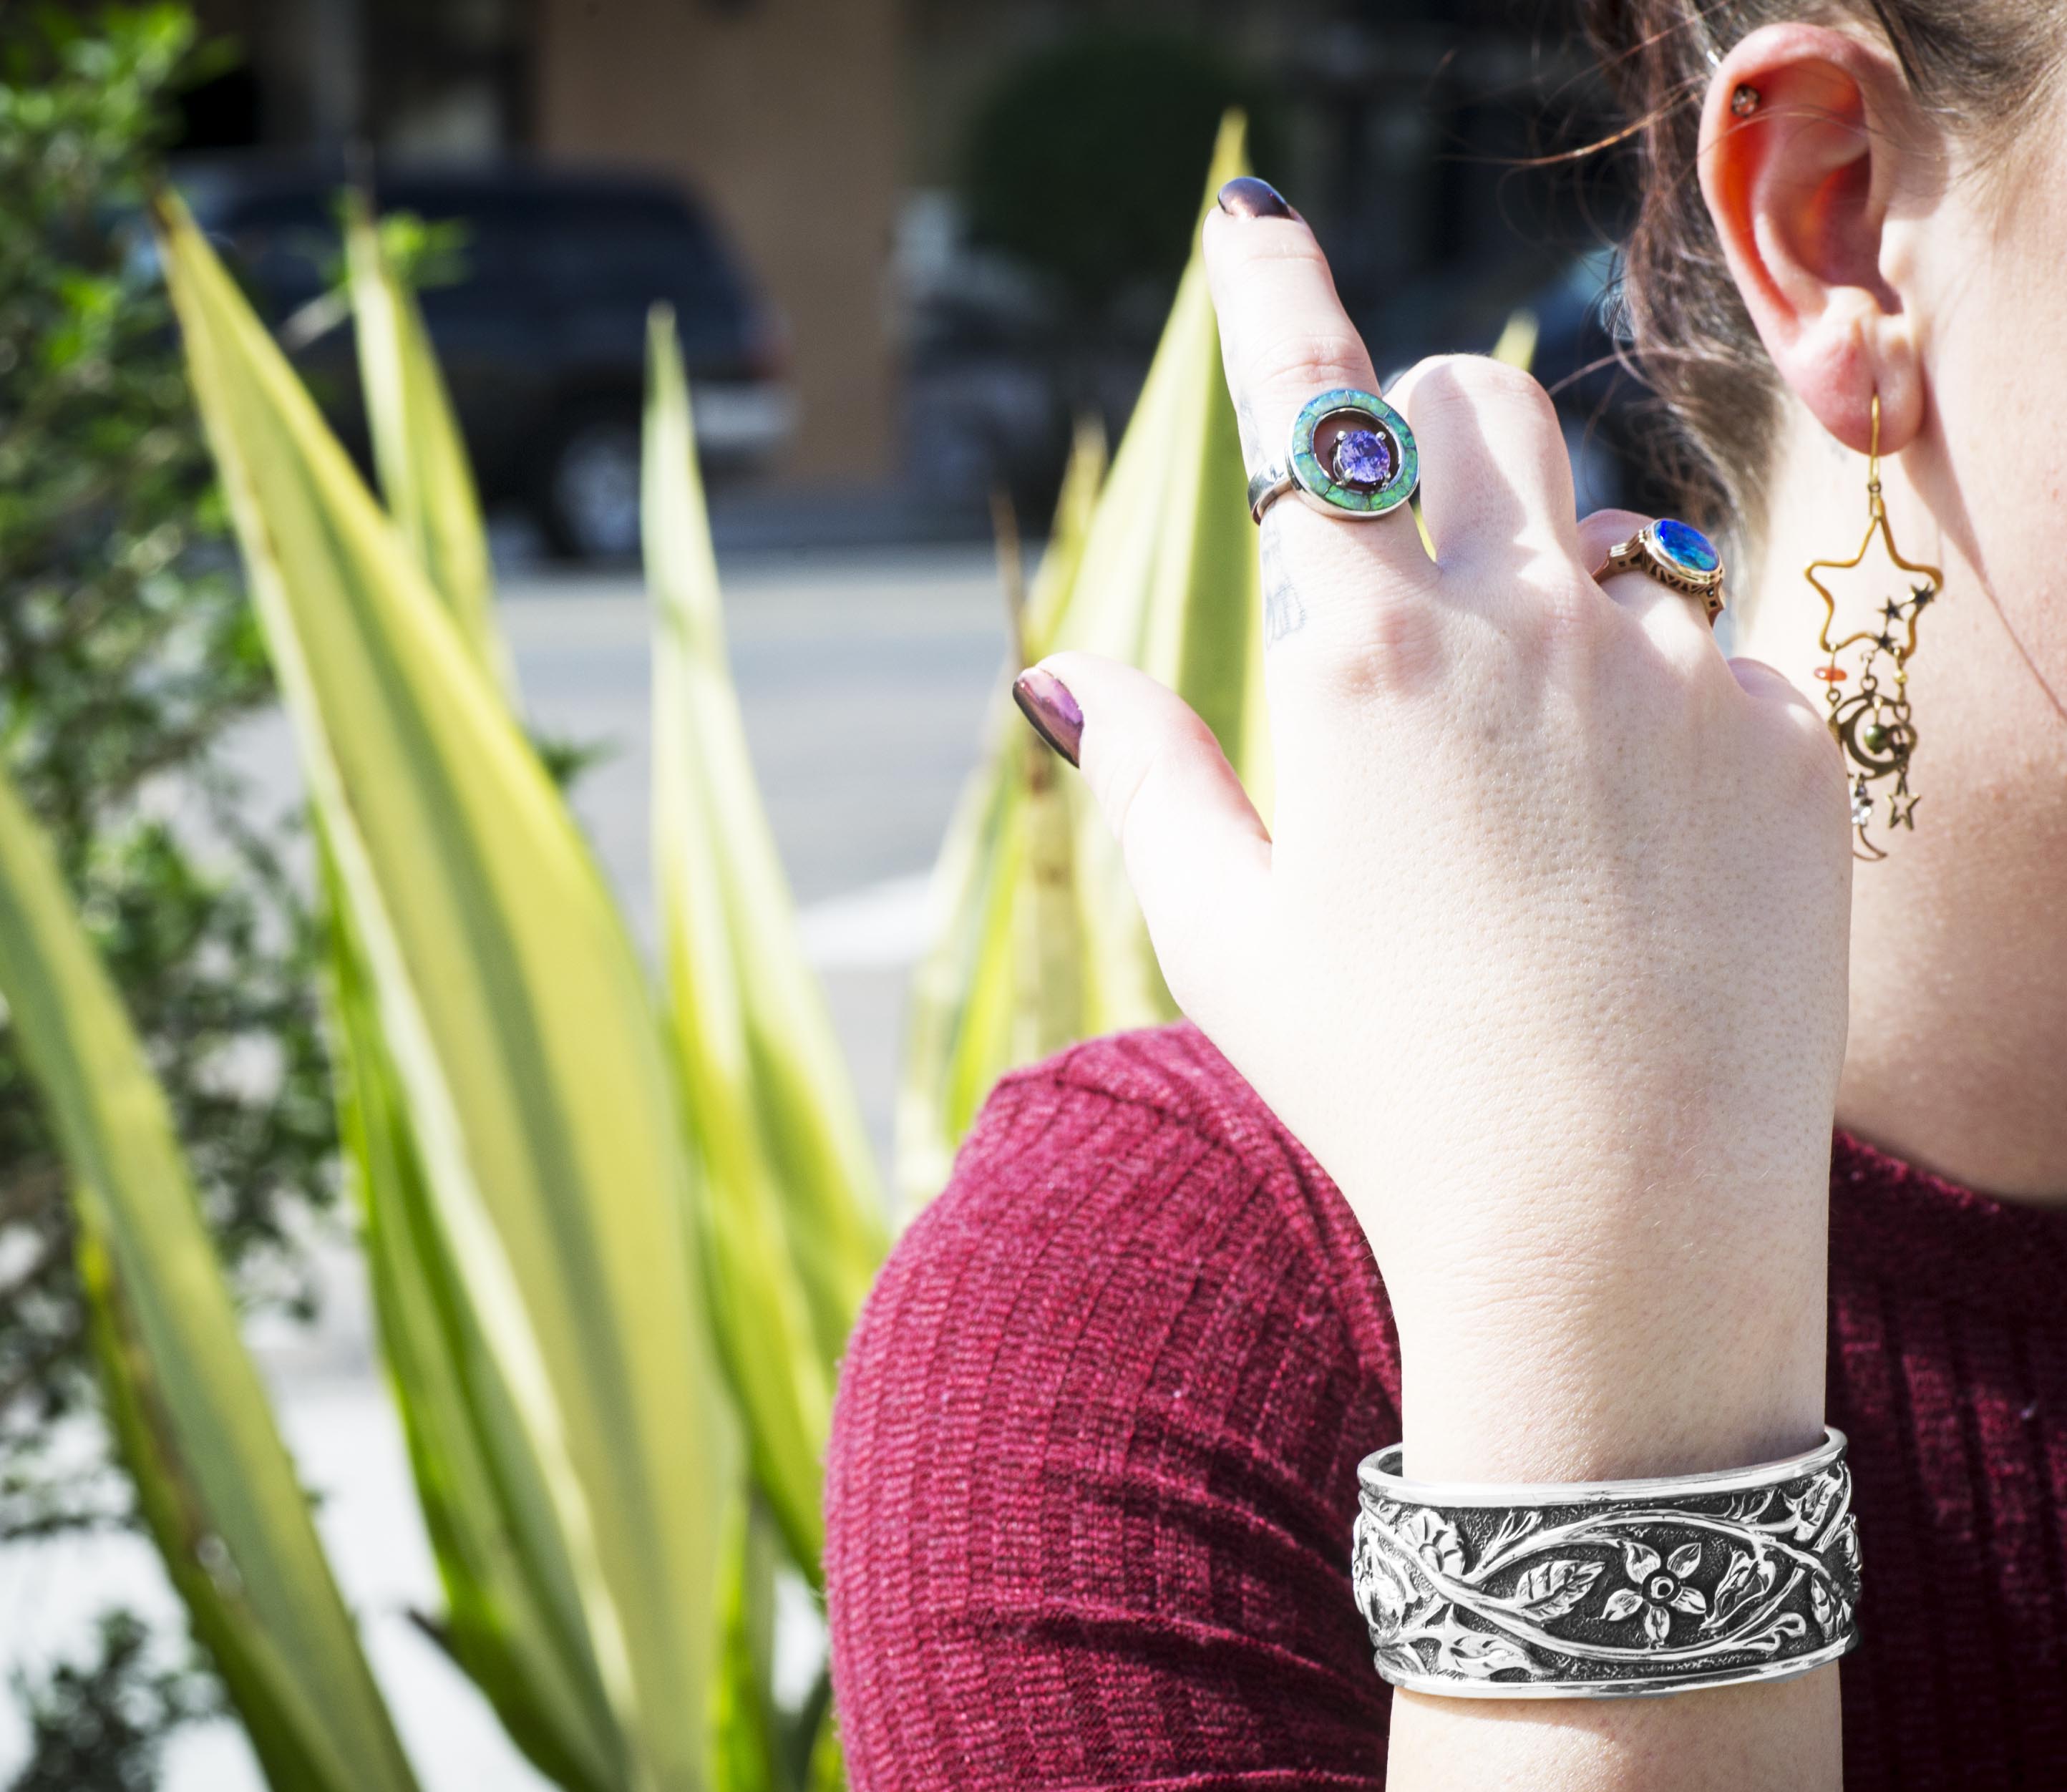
864,680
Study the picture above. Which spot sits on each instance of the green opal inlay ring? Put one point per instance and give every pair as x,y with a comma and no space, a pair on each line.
1352,455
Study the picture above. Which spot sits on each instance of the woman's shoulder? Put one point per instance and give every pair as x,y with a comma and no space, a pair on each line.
1170,1077
1149,1143
1094,1449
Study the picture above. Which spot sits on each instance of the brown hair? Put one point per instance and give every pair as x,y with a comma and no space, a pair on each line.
1976,63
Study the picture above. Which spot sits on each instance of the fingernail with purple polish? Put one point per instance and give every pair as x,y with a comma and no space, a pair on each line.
1247,196
1045,700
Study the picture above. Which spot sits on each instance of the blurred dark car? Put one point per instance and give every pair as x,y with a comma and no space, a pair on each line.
542,335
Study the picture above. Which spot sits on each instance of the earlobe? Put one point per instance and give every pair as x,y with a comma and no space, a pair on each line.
1797,187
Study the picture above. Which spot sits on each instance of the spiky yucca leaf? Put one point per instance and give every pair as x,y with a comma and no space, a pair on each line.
512,1613
512,1617
746,1730
521,1034
790,1194
215,1482
1001,983
417,450
1164,575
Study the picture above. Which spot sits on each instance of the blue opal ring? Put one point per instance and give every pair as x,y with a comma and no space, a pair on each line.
1352,455
1676,554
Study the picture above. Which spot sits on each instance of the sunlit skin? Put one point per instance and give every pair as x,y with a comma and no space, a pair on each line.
1584,1116
1911,269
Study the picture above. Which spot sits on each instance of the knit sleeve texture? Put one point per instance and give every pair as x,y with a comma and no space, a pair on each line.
1094,1469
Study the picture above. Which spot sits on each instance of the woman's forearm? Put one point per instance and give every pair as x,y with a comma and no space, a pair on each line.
1692,1340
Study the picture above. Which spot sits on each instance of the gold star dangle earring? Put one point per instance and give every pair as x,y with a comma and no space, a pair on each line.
1873,724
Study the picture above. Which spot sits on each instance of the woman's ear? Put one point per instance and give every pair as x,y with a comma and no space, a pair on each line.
1796,164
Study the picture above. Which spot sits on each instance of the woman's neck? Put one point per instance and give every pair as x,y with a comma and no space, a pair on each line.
1957,1060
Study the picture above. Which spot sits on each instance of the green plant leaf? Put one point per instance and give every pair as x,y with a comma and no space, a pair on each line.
1517,343
417,449
746,1735
827,1769
513,1619
1169,581
1001,984
1162,573
790,1203
215,1482
512,1616
516,1019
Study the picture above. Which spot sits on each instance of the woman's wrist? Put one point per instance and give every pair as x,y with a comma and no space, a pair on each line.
1683,1334
1553,1409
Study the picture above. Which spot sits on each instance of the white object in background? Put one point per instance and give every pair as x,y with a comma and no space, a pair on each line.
878,927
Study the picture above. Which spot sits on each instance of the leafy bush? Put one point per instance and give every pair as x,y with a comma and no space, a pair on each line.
126,653
1085,162
99,1725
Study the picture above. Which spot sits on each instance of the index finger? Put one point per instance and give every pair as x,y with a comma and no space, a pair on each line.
1285,339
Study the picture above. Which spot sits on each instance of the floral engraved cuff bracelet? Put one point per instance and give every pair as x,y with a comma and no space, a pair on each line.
1608,1589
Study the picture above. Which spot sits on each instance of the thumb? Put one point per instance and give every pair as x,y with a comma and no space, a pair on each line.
1197,853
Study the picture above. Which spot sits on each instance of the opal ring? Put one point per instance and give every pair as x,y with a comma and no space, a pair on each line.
1352,455
1677,556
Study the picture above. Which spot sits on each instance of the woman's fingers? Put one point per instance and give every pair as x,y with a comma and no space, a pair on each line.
1284,335
1285,339
1601,530
1496,475
1497,479
1769,684
1197,853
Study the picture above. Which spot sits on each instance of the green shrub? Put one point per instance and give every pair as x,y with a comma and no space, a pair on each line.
98,1725
126,652
1084,162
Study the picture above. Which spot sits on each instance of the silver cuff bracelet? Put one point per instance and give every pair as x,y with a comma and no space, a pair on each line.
1608,1589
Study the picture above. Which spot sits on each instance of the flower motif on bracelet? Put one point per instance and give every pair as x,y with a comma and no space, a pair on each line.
1657,1589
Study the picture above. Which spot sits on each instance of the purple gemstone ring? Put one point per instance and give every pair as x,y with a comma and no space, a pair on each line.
1361,458
1352,455
1677,556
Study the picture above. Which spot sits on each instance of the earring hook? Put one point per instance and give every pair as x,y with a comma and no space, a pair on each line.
1873,464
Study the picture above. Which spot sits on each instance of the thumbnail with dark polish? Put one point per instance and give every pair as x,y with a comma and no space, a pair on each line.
1045,700
1247,196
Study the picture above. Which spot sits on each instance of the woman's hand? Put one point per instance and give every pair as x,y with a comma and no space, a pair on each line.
1544,955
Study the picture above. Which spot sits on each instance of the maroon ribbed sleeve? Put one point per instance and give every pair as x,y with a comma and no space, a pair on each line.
1094,1461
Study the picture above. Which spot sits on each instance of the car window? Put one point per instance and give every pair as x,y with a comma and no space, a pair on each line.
570,243
628,249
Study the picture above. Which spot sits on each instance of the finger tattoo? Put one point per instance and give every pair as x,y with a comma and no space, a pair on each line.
1283,612
1251,436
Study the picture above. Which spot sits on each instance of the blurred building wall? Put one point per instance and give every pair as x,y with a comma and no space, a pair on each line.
784,115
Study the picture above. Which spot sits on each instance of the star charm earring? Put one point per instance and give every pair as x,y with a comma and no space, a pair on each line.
1873,725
